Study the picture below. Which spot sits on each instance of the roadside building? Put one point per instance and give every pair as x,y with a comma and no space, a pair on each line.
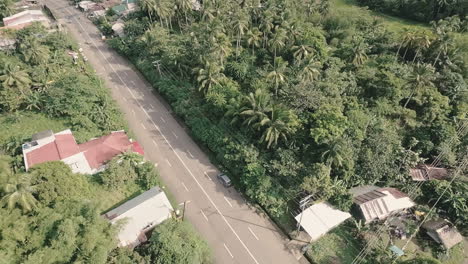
25,18
443,232
87,158
139,215
425,172
320,218
86,6
375,203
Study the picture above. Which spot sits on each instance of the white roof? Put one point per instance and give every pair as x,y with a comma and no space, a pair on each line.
320,218
140,214
26,16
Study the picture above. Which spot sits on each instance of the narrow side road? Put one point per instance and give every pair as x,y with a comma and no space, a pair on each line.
234,230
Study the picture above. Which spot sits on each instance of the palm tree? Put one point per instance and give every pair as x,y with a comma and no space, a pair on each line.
148,6
443,44
277,41
254,37
422,42
18,192
240,24
277,125
302,52
184,6
311,71
208,76
409,39
151,39
266,25
221,47
360,53
33,51
422,76
256,107
277,75
13,76
334,153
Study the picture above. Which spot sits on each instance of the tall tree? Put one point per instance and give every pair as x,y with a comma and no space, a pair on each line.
254,38
278,40
302,52
310,72
279,124
208,76
422,76
34,51
277,75
18,191
12,76
256,107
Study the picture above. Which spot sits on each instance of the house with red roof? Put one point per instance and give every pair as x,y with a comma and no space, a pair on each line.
87,158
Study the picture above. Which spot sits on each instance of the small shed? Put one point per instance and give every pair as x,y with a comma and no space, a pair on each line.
139,215
426,172
443,232
320,218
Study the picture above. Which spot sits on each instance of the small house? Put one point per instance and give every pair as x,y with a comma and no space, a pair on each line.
375,203
87,158
443,232
25,18
427,172
320,218
139,215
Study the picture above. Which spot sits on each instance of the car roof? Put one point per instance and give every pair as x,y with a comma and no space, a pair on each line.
225,177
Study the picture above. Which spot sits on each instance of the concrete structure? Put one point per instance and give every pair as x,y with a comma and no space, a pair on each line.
320,218
139,215
7,43
118,28
86,158
86,5
443,232
376,203
25,18
426,172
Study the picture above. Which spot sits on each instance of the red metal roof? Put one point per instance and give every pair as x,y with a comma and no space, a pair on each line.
137,148
63,147
99,151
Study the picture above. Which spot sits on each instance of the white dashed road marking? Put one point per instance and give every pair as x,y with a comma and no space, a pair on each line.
227,201
204,215
154,142
173,150
188,151
253,233
227,249
208,176
168,163
175,135
143,126
185,187
163,119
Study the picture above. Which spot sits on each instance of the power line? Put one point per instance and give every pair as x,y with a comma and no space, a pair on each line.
365,251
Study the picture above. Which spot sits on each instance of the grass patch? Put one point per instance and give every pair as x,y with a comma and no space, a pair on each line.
338,246
18,127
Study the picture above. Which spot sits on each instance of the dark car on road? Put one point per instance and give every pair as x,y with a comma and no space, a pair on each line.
224,180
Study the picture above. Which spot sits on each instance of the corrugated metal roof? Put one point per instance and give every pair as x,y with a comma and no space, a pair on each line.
320,218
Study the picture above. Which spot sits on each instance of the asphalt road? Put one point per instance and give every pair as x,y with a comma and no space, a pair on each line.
233,229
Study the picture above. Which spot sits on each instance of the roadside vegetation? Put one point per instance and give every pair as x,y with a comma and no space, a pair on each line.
303,97
49,214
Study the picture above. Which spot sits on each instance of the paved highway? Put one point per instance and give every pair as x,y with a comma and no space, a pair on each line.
233,229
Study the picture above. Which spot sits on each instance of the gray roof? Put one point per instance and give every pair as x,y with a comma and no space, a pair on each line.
443,232
42,134
426,172
133,203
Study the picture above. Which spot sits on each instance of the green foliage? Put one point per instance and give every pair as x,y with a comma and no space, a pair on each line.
54,182
176,242
69,232
423,11
307,97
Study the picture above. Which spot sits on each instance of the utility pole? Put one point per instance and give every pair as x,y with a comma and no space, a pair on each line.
302,204
185,204
157,64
